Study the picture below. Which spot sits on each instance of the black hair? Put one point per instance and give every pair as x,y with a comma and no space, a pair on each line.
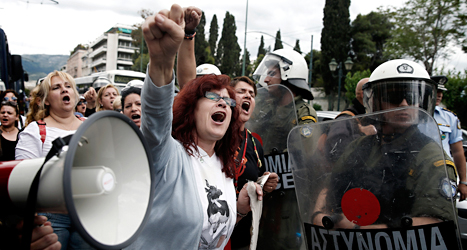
126,92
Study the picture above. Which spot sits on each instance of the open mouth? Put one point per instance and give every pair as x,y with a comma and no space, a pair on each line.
66,98
218,117
135,117
246,106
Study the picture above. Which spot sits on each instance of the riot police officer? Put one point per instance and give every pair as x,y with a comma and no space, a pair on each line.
400,165
284,73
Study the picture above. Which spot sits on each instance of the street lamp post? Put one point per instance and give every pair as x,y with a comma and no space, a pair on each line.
333,65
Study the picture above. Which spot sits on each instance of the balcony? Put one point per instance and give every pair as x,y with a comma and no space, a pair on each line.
128,50
100,50
101,61
99,39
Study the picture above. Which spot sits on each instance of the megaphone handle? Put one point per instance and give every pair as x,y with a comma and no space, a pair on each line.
30,212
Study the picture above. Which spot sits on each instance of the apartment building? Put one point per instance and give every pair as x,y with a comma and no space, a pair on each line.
112,50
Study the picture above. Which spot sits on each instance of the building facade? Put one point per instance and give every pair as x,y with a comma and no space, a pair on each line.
112,50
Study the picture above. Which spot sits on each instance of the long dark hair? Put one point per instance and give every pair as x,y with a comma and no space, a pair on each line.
184,125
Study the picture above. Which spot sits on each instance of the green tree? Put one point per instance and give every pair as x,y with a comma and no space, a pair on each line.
138,42
316,78
78,47
455,98
369,34
248,65
261,50
297,46
228,50
335,40
278,43
202,52
213,34
424,29
351,81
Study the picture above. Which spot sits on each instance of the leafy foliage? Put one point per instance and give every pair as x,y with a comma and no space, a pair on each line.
297,46
351,81
202,51
278,43
335,41
455,98
213,34
261,49
424,29
228,50
369,35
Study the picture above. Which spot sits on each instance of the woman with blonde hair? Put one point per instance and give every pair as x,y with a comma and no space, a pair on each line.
106,97
54,118
34,105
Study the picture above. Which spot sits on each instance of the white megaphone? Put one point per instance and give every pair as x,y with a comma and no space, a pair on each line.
102,179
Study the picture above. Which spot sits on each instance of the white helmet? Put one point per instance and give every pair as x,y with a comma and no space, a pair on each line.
293,69
206,69
396,80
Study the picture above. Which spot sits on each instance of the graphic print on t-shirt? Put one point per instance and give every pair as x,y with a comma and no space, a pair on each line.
218,215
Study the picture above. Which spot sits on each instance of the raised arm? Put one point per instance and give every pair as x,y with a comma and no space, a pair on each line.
164,34
186,60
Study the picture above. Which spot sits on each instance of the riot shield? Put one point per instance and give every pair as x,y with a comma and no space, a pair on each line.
390,189
273,118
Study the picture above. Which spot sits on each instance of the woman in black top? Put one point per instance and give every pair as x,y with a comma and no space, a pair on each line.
250,157
9,115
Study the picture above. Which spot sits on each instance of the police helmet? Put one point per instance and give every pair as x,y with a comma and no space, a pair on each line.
441,80
206,69
396,80
293,69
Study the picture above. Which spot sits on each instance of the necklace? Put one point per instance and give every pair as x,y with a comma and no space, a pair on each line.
4,130
61,124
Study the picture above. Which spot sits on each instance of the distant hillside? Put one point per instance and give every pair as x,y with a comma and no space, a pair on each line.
39,66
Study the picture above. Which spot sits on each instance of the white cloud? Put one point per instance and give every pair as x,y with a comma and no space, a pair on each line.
35,28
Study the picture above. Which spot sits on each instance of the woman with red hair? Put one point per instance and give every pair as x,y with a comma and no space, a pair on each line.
193,148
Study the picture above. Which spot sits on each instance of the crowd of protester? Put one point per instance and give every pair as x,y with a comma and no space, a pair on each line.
197,156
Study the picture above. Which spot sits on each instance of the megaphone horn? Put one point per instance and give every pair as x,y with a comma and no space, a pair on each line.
102,179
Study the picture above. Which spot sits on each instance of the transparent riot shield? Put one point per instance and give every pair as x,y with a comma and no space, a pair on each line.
273,118
387,184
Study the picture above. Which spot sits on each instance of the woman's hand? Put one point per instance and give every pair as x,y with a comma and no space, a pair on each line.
192,18
43,236
164,33
271,183
90,96
243,201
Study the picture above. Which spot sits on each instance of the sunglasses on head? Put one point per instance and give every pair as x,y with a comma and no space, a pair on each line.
13,98
396,97
9,103
215,97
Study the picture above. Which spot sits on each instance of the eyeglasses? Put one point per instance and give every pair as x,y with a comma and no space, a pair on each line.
396,97
13,98
81,102
215,97
14,104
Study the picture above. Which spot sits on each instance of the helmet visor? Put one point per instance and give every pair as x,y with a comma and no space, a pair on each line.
389,94
271,69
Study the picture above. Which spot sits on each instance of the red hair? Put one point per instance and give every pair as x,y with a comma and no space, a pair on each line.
184,126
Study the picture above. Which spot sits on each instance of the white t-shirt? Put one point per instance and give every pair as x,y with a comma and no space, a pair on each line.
218,199
30,145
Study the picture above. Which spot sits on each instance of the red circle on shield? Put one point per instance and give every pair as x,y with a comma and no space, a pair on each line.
360,206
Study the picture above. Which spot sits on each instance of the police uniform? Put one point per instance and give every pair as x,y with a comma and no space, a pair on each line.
405,172
449,127
280,226
305,112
